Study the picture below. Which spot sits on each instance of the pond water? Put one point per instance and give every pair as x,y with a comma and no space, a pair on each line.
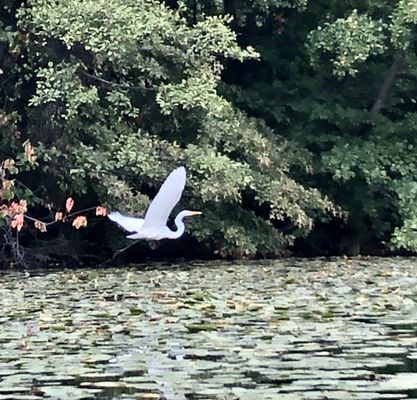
291,329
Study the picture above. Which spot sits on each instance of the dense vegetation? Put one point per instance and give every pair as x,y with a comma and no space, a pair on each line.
296,121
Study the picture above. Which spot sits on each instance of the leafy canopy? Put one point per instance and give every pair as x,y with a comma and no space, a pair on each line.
126,90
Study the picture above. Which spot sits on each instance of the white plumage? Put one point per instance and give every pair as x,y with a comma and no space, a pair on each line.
153,226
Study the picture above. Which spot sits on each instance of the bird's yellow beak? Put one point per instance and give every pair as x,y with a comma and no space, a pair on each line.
196,213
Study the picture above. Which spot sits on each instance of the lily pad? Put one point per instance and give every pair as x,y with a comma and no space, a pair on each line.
193,328
290,329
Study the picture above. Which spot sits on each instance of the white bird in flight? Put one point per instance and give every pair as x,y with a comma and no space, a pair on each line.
154,225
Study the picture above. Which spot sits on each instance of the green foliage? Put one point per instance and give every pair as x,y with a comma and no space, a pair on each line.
405,236
268,5
6,33
389,171
404,19
122,91
363,155
349,41
60,83
114,94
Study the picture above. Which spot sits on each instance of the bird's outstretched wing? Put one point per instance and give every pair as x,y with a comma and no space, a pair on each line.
165,200
131,224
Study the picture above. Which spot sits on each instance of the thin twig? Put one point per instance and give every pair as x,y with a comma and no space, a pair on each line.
63,219
25,187
122,85
118,252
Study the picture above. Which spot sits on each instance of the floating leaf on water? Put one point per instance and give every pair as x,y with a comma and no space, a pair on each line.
399,382
136,311
13,390
99,376
312,335
151,396
103,385
194,328
97,359
69,392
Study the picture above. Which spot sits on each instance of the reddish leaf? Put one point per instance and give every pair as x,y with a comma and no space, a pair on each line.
29,151
101,211
40,225
59,216
79,222
69,204
17,222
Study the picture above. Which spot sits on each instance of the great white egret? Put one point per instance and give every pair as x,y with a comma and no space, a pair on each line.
153,226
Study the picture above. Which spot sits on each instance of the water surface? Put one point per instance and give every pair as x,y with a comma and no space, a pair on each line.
292,329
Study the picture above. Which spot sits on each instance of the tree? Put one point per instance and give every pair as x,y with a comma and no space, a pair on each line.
338,79
382,152
122,91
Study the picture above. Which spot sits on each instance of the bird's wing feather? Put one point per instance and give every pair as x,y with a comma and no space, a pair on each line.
131,224
165,200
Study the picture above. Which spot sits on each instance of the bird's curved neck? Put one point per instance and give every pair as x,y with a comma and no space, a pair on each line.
180,227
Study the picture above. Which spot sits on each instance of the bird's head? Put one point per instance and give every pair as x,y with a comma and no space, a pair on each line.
185,213
188,213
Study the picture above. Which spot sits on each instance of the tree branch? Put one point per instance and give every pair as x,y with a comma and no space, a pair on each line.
65,217
113,84
118,252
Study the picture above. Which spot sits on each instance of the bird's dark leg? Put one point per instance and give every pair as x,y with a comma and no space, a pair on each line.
124,249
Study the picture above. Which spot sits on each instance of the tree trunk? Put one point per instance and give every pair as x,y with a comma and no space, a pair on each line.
382,97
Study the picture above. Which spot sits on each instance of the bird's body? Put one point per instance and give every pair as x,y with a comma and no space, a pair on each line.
153,225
